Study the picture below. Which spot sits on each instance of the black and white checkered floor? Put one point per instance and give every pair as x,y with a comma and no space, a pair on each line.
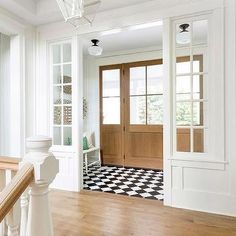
126,181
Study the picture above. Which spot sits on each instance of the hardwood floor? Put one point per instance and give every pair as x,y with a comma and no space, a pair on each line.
103,214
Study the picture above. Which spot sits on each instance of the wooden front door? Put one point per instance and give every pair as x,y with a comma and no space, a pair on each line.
111,115
136,140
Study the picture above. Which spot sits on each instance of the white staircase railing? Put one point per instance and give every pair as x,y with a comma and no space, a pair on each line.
24,205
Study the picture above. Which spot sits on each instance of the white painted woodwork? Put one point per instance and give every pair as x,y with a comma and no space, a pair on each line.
12,220
13,217
2,185
26,216
45,168
24,203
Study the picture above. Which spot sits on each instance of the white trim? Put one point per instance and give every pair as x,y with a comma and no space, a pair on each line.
167,121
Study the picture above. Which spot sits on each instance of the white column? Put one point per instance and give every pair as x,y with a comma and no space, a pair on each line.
46,166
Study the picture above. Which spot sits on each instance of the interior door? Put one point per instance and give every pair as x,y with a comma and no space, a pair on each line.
144,114
111,115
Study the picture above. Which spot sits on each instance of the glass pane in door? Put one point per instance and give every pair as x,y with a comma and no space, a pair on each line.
111,97
111,83
137,80
111,110
138,110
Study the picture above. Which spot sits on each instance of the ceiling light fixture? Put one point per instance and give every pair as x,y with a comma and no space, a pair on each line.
95,49
76,12
183,37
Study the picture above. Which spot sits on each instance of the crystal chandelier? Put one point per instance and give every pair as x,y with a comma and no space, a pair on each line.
78,12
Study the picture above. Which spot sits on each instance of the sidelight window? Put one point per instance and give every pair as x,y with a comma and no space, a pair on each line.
62,93
190,80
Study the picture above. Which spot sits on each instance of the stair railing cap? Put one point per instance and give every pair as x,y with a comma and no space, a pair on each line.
38,143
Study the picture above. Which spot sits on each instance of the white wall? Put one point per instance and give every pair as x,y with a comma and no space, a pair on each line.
17,92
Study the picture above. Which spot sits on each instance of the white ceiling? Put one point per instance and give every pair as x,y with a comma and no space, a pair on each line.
39,12
147,38
128,40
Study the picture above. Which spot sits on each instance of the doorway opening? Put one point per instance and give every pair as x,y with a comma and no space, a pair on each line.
131,110
124,94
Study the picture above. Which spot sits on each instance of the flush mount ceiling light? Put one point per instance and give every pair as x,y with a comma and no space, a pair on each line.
79,12
95,49
183,37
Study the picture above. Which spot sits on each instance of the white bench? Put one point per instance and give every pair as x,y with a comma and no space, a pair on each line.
85,155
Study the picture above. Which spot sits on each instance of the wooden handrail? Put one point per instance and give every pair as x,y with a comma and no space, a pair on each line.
12,192
9,163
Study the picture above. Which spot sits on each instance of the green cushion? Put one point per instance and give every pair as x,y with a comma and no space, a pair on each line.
85,143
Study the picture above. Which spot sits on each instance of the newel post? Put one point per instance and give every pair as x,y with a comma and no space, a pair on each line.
46,166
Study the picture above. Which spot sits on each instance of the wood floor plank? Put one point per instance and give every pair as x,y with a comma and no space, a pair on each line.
102,214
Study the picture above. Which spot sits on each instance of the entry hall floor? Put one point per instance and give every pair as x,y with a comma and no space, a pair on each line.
125,181
91,213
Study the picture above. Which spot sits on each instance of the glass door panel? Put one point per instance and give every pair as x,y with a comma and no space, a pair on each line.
111,97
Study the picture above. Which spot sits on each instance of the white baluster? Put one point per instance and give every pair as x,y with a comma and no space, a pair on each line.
46,166
2,185
24,203
13,217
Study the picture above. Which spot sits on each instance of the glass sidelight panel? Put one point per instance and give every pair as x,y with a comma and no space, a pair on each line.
62,93
183,140
183,65
190,75
57,115
67,74
198,114
57,94
67,52
67,115
67,94
56,74
198,140
198,85
183,114
57,136
67,139
183,88
56,51
200,32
